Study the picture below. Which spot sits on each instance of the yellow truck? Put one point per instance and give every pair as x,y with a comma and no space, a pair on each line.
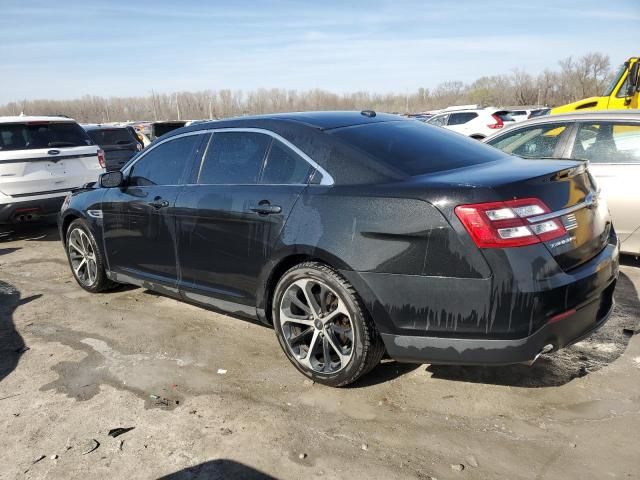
622,93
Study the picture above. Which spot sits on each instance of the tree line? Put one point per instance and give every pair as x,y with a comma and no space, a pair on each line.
574,78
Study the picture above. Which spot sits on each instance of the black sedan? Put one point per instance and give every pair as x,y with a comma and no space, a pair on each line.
353,233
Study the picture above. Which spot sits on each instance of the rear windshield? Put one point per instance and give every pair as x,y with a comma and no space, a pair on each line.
111,136
415,148
504,116
31,135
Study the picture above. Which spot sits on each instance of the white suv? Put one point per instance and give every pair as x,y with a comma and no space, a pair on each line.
41,160
474,123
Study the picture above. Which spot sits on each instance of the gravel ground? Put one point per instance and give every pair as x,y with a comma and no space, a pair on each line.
211,396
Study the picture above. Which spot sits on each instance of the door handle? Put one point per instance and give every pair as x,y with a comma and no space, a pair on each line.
266,209
158,203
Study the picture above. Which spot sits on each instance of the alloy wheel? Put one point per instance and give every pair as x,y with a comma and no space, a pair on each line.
317,326
82,257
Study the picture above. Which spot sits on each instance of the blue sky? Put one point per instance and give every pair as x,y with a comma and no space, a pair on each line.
66,49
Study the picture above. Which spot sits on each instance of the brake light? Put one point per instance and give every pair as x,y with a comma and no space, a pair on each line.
499,123
506,224
101,159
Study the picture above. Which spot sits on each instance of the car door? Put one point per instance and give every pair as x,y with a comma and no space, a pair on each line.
139,218
613,152
543,140
230,220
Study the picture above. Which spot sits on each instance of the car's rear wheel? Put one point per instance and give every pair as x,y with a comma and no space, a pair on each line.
322,326
85,258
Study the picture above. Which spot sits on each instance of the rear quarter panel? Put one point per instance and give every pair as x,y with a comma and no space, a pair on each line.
377,240
374,232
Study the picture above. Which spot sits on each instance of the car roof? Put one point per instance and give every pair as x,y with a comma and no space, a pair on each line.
593,115
100,126
324,120
631,114
25,118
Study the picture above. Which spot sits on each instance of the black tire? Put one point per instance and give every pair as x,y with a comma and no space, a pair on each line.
366,347
101,282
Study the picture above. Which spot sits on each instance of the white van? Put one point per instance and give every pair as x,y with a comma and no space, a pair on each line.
41,160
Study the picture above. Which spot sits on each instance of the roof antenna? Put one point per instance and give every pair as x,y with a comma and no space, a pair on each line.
368,113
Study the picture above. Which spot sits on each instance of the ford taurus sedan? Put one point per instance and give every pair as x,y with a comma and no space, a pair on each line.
356,233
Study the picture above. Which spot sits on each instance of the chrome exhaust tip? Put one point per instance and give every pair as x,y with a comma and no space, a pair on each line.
546,349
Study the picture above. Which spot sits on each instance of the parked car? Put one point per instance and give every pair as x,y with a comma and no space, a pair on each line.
608,140
139,138
539,112
118,143
160,128
474,123
355,233
522,113
41,160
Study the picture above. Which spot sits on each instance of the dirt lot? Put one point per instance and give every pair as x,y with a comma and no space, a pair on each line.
135,359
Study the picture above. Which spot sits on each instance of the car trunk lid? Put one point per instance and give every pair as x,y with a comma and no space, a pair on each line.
573,198
565,187
45,170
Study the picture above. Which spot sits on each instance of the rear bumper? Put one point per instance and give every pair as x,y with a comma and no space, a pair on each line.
490,321
22,211
468,351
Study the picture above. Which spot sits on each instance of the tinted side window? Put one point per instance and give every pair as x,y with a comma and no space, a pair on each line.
461,118
234,158
284,166
605,142
165,164
532,142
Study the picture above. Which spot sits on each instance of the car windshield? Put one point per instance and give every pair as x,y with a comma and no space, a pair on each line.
32,135
111,136
415,148
616,79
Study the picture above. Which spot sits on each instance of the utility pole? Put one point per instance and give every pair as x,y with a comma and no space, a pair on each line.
153,104
177,106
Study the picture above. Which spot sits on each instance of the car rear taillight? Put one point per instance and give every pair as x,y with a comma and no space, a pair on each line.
101,159
507,224
499,123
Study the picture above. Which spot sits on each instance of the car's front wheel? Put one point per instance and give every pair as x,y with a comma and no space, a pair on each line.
322,326
85,258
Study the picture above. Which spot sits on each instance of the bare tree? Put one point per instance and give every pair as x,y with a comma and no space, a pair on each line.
575,79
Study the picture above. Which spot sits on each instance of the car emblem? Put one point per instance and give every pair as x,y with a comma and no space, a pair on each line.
562,242
570,221
54,152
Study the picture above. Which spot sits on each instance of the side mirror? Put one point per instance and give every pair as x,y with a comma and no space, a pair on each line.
634,80
112,179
